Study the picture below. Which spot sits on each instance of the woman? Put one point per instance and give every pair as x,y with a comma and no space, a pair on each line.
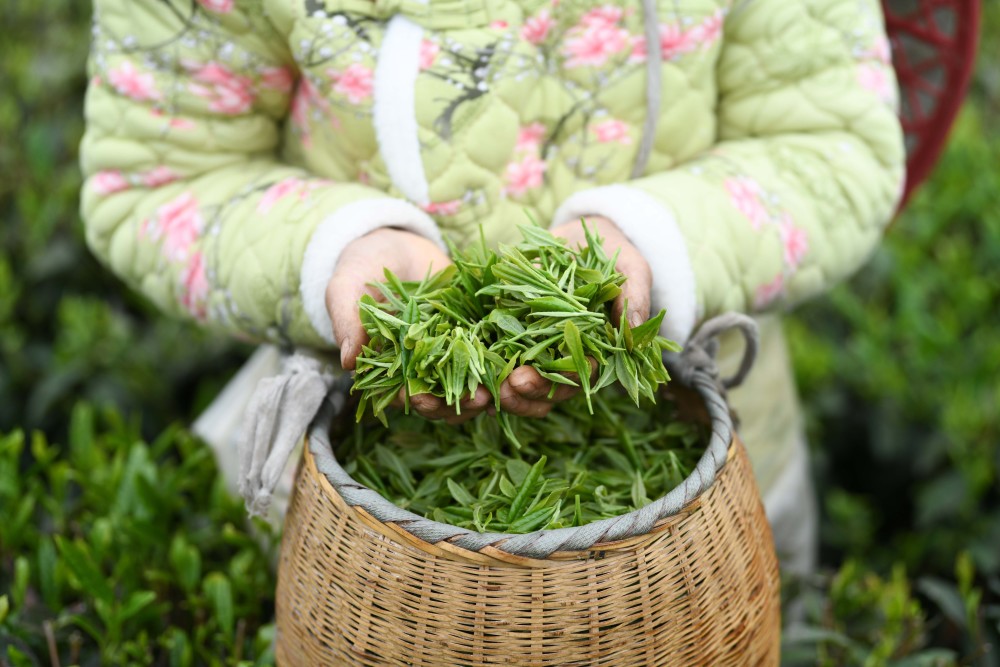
252,164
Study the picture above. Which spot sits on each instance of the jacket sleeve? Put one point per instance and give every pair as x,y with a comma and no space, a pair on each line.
186,197
807,169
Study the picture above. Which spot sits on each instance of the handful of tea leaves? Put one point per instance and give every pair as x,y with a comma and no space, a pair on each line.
571,469
540,304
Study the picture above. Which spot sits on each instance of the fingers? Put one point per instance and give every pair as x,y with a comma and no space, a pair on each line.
636,290
408,255
516,404
433,407
631,263
525,394
527,382
342,294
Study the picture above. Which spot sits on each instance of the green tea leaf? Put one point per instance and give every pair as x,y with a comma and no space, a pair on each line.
47,572
525,490
219,593
532,521
391,461
579,360
186,561
136,602
77,558
507,488
646,333
460,494
507,322
517,470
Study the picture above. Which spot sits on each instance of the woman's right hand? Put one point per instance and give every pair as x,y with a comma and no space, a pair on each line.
363,261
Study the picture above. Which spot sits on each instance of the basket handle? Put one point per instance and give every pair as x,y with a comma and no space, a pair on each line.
698,356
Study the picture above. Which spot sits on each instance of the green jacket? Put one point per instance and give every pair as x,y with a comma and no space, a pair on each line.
234,147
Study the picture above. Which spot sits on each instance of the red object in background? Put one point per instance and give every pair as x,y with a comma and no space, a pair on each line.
934,51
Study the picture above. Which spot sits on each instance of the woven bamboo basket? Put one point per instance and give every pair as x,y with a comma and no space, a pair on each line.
691,579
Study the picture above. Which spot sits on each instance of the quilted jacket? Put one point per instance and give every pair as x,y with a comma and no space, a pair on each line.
234,147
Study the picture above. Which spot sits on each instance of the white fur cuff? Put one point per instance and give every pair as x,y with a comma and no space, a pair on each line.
651,227
395,112
351,221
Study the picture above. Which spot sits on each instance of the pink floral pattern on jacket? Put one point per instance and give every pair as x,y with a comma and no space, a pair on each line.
530,137
227,93
596,38
769,292
527,170
217,6
444,208
429,51
794,240
194,286
280,79
875,77
159,176
745,194
524,175
177,224
283,189
676,41
611,131
130,82
536,28
108,182
306,101
355,82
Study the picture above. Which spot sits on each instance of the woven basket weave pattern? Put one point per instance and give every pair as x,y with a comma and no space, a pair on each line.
701,589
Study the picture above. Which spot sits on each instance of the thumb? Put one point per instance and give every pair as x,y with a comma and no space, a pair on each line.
637,287
343,292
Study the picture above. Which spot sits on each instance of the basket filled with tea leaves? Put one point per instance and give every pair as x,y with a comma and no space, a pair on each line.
623,528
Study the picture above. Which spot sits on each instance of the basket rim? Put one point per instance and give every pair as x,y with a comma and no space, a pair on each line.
539,544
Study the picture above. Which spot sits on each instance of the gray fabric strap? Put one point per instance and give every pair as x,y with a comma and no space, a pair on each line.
691,368
276,418
654,86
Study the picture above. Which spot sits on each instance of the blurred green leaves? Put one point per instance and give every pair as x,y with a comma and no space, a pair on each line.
900,373
68,329
104,533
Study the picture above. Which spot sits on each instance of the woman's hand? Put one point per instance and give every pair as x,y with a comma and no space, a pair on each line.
525,392
363,261
409,256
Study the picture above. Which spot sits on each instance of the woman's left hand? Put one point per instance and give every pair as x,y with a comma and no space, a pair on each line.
525,392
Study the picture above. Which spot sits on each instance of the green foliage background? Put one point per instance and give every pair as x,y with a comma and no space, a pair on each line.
118,545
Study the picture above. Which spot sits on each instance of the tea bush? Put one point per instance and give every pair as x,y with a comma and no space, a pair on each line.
121,552
900,370
68,330
118,546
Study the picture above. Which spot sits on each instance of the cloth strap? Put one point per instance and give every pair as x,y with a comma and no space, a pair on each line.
654,86
277,416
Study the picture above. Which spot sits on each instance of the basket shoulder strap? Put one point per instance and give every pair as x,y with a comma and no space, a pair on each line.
277,416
